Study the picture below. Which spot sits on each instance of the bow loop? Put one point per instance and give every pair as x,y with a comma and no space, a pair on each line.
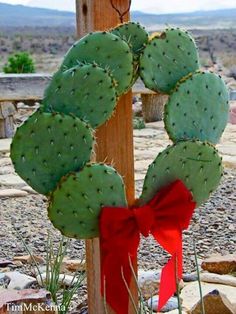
165,216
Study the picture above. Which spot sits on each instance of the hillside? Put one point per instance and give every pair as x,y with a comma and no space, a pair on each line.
20,16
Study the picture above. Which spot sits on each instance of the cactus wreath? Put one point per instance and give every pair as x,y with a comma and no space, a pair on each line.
51,151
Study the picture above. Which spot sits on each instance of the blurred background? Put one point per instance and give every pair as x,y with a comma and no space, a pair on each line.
46,29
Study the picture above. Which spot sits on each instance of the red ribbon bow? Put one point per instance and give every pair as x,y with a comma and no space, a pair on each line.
165,217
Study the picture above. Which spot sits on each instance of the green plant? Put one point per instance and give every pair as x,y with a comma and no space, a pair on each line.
20,62
138,123
73,92
38,154
82,220
109,52
52,282
137,37
167,58
204,114
197,164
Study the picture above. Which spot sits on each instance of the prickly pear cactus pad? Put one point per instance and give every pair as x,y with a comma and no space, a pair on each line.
48,146
168,58
87,91
197,164
77,201
107,51
134,34
198,108
137,37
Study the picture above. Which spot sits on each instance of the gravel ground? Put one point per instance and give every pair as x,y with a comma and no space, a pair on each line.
213,228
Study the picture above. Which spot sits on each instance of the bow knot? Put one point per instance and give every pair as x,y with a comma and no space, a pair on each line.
144,217
165,216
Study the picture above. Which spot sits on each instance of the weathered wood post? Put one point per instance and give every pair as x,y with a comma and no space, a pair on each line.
114,139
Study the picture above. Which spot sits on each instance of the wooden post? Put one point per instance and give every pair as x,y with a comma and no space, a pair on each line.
114,139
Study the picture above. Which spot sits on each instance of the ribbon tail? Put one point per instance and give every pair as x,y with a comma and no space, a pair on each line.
116,277
170,275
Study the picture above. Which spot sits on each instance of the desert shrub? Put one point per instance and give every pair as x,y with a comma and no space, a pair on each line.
20,62
138,123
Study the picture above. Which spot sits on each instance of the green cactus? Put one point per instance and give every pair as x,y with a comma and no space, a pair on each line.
197,164
74,91
198,108
77,201
134,34
167,58
48,146
137,37
106,50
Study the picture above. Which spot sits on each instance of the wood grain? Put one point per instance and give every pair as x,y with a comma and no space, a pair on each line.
114,138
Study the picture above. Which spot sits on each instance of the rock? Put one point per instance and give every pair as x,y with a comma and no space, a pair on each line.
5,161
190,294
149,282
221,279
5,262
29,189
149,133
5,145
12,193
220,264
2,276
64,280
214,303
190,277
28,259
232,115
73,265
5,169
11,180
171,305
18,263
19,281
28,296
177,312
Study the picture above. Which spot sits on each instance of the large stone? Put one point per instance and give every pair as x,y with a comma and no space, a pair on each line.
29,259
229,161
190,277
64,280
10,298
190,294
6,169
11,180
149,282
19,281
220,264
214,303
221,279
5,145
12,193
5,161
171,305
73,265
28,189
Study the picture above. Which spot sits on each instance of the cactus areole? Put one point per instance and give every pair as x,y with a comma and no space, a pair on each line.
52,150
